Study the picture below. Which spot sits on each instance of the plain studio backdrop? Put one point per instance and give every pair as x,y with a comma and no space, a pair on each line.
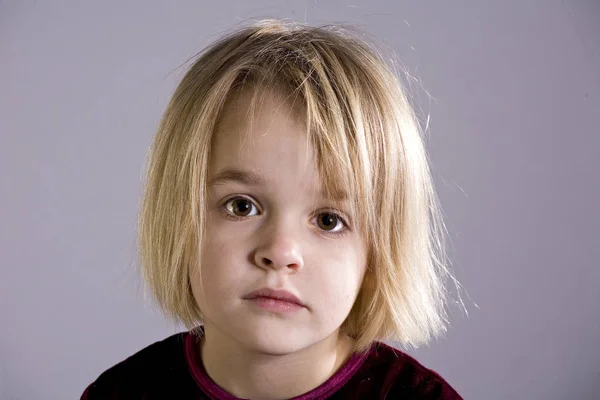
512,91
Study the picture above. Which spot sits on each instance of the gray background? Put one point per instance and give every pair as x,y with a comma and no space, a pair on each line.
514,101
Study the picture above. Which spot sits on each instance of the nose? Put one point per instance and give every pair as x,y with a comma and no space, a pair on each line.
279,250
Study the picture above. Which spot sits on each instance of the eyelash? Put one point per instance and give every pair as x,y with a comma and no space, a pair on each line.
345,230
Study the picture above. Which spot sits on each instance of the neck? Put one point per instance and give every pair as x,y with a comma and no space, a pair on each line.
247,373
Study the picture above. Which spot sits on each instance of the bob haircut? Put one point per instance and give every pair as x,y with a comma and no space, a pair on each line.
367,143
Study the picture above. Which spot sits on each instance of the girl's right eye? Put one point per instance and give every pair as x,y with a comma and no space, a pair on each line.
240,207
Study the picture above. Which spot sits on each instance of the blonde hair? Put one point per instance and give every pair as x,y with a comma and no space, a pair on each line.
368,144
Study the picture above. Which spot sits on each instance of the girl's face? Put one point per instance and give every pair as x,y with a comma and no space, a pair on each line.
268,226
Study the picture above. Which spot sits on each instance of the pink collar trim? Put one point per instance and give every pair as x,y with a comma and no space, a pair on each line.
207,385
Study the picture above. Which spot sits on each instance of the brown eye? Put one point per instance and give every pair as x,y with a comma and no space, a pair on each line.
328,222
241,207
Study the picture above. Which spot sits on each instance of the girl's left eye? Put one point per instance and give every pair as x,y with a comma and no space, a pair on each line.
330,223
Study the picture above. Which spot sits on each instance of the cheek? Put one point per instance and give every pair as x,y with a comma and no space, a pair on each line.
222,246
219,267
338,277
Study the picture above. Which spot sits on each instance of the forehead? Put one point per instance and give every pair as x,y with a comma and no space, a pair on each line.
263,133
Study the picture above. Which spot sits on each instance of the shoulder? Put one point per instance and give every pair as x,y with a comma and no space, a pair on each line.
405,377
159,364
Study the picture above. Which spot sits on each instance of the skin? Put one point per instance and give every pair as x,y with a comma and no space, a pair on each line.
278,232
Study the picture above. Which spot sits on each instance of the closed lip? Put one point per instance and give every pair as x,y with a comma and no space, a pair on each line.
283,295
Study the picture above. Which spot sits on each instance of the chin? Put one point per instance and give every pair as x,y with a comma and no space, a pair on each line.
276,340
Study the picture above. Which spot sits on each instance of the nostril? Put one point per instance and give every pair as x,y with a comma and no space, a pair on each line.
266,261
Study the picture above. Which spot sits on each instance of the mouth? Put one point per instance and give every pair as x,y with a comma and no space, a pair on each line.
275,300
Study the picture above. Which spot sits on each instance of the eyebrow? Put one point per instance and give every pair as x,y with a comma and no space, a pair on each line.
253,179
236,175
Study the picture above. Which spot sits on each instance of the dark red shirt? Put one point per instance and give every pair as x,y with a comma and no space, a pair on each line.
172,369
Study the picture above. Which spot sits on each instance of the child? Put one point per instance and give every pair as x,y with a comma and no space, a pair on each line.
290,221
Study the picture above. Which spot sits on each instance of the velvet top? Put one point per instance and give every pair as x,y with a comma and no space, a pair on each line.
172,369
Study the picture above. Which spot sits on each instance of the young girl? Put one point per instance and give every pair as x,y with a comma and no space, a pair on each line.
290,221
